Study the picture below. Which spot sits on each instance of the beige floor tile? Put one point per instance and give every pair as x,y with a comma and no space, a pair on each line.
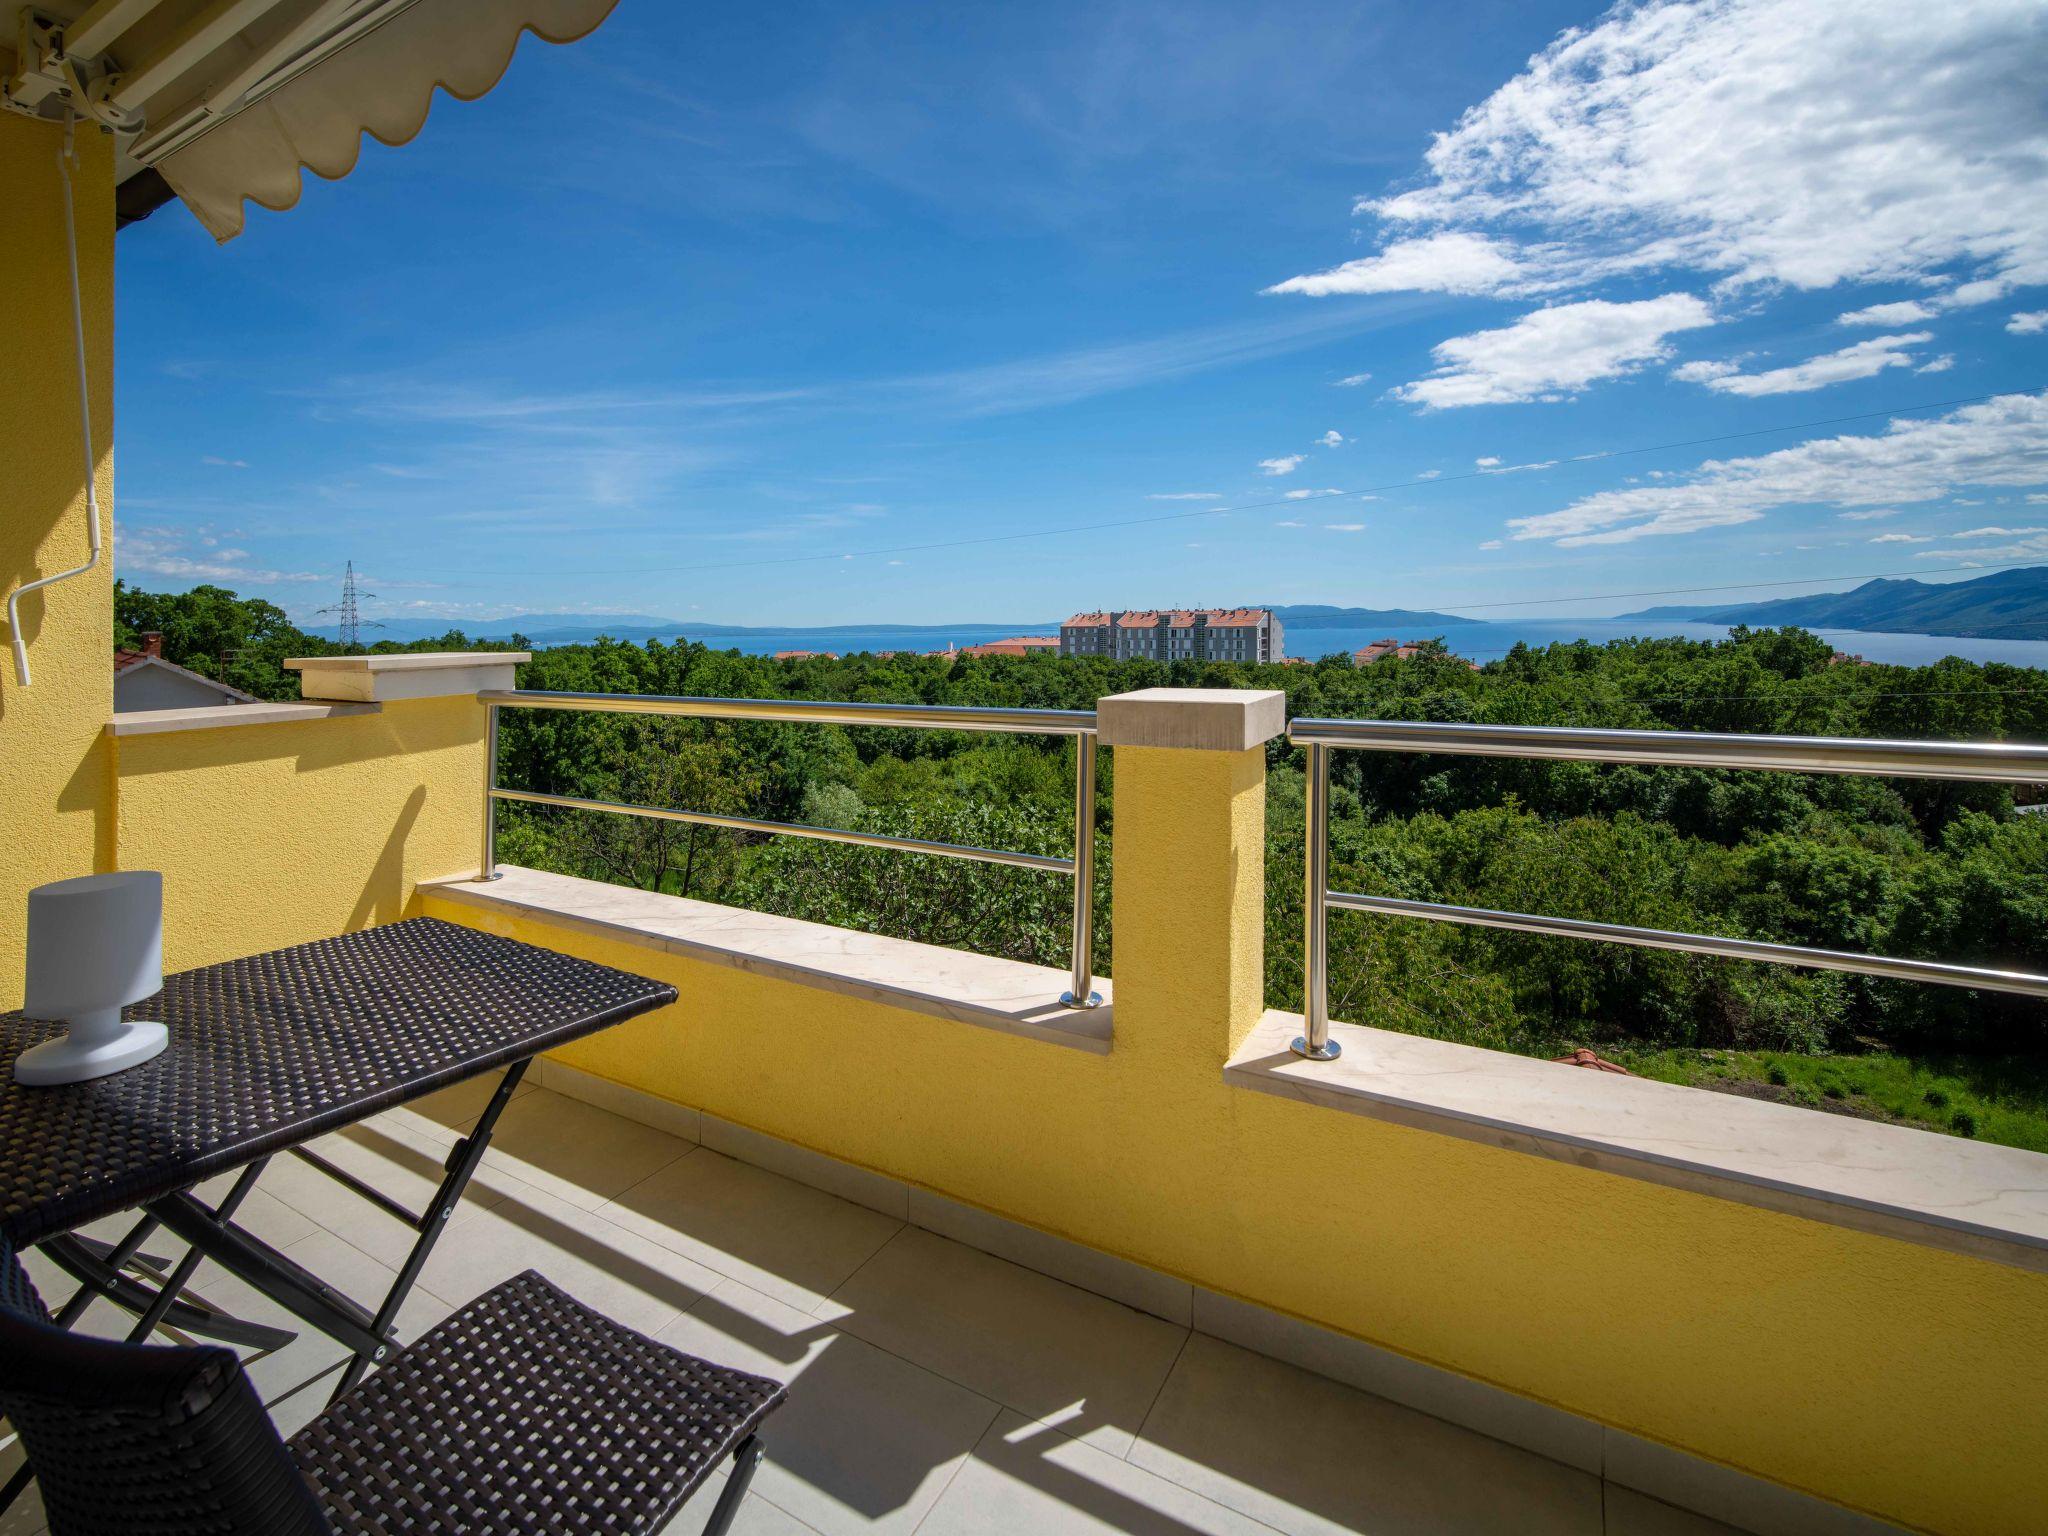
756,1517
620,1273
576,1151
391,1158
866,1441
1637,1514
780,1237
1025,1476
1050,1350
1304,1454
275,1373
276,1222
363,1279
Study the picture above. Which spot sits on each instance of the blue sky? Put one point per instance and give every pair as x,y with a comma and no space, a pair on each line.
683,315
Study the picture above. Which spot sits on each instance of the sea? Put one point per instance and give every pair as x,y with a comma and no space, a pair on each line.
1478,642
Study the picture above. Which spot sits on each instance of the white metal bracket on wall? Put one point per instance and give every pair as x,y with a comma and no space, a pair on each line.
48,78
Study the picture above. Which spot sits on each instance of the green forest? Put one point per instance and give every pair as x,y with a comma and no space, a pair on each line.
1916,868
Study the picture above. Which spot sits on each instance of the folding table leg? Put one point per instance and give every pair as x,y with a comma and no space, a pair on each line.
116,1257
462,1163
16,1481
285,1281
744,1460
167,1293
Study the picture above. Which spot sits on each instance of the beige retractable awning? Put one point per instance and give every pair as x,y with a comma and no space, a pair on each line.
228,99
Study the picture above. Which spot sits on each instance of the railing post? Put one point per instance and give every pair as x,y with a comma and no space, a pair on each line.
1083,994
1316,1043
487,864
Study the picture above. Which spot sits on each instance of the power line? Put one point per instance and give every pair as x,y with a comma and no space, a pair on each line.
1251,506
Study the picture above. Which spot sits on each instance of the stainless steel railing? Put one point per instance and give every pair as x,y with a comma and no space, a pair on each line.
1994,762
1077,723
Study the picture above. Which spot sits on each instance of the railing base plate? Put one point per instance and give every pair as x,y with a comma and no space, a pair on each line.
1329,1050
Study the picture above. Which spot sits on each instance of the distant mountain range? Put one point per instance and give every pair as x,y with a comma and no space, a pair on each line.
1318,616
581,628
2006,605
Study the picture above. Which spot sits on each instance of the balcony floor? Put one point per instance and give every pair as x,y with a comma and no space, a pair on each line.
933,1388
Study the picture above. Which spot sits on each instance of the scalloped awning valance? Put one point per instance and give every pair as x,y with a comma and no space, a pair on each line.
233,99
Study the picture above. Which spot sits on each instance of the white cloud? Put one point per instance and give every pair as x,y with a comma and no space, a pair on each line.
1452,262
1551,353
1353,380
1290,523
1185,496
2001,442
1060,378
220,463
1286,464
1995,533
1903,538
1859,360
1498,468
1328,490
1345,527
1940,364
2028,322
1905,312
2010,554
1869,514
1491,544
1486,463
164,552
1704,370
1801,142
1333,439
1429,474
1984,291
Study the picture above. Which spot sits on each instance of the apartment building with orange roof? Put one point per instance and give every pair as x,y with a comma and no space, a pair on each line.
1174,634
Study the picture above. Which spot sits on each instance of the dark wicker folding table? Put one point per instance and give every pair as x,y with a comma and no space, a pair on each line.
266,1054
525,1411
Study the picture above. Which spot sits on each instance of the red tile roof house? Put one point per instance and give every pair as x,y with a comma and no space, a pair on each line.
1016,645
143,680
1380,650
1400,650
806,655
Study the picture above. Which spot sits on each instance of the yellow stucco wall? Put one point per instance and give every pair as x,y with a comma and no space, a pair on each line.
274,834
54,801
266,835
1893,1378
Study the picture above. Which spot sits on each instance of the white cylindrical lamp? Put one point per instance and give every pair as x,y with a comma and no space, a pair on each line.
95,945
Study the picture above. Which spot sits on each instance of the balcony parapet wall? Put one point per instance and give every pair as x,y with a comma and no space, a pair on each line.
1610,1317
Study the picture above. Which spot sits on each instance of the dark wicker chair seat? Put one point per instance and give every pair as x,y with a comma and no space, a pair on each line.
523,1412
527,1411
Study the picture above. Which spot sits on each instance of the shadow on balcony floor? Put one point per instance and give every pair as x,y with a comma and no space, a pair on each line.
934,1388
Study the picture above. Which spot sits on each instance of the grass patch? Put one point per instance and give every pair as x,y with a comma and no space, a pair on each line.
2002,1100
